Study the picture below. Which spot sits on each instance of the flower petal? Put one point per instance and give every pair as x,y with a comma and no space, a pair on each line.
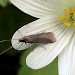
66,60
33,28
39,8
45,54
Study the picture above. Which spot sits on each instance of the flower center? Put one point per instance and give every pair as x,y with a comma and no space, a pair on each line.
68,18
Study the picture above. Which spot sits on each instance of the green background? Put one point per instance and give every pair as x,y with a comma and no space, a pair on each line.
13,61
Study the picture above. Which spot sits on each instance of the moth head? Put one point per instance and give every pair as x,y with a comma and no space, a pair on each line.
16,38
25,39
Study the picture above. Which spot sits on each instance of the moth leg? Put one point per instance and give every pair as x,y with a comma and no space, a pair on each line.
26,43
21,45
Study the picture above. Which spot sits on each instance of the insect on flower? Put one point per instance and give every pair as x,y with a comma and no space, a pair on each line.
57,16
37,38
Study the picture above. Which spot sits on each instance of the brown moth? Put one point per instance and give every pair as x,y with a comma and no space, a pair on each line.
47,37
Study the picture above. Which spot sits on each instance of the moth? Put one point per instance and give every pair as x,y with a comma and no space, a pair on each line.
47,37
39,38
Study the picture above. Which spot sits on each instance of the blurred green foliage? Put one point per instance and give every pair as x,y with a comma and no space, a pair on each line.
11,19
3,2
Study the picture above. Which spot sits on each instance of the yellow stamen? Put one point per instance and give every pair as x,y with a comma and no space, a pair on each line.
73,9
67,23
67,11
61,17
73,14
68,18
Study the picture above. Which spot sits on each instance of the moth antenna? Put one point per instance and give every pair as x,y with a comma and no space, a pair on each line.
8,40
9,49
6,50
5,40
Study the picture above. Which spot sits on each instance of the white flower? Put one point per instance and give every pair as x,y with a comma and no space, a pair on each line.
57,16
